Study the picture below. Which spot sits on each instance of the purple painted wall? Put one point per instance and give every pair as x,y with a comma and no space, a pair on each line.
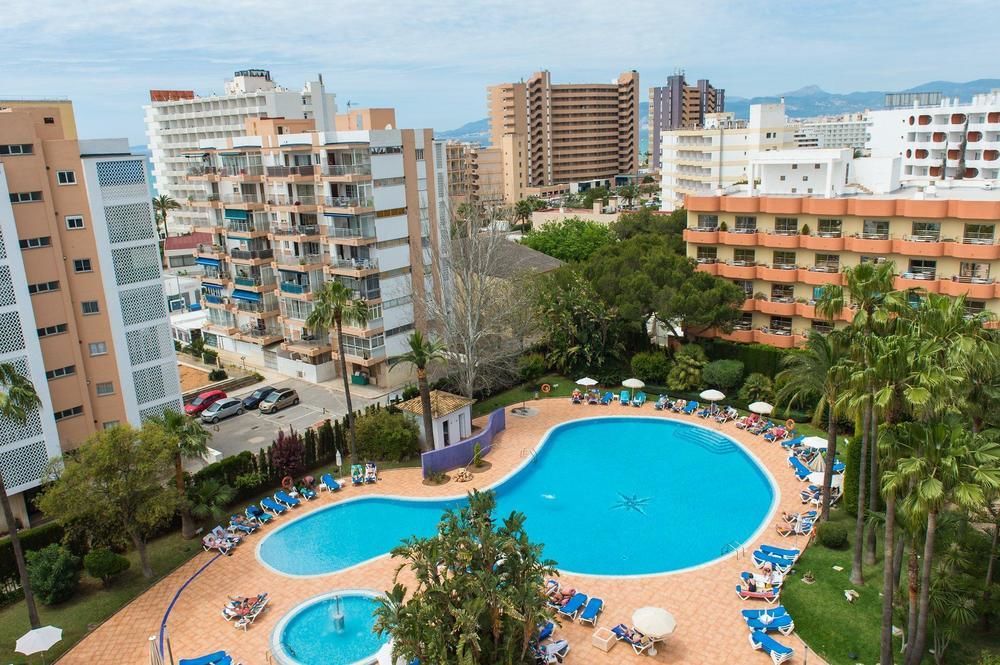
460,454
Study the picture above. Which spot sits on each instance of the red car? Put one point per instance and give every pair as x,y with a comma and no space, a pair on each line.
203,401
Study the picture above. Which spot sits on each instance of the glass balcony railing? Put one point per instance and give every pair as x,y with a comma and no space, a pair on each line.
347,202
258,307
286,200
241,198
351,232
347,169
237,171
247,226
253,281
261,332
294,287
289,259
248,254
289,171
355,264
202,170
296,229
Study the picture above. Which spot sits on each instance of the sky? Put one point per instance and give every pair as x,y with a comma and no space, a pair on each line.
432,60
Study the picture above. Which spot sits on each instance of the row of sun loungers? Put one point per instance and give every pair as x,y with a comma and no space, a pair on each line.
572,604
217,658
776,562
362,474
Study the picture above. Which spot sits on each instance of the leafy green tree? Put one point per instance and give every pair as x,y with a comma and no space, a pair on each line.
387,436
647,222
18,399
54,572
117,477
757,388
531,367
103,564
651,366
477,598
422,353
571,240
628,194
589,197
722,374
333,306
686,373
191,443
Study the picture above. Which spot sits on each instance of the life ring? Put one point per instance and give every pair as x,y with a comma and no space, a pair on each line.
546,388
789,424
287,482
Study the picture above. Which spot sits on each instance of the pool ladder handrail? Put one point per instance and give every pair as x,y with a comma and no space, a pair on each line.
734,546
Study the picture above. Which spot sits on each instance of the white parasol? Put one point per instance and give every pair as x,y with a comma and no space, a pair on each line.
587,381
634,384
38,640
155,658
711,395
836,481
654,622
817,442
762,408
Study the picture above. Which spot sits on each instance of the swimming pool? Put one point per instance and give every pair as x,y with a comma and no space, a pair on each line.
606,496
310,633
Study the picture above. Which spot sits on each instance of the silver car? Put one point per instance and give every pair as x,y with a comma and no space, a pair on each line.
222,409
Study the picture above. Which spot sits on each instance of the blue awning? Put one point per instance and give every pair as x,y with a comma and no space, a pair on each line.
249,296
236,214
215,288
205,261
336,214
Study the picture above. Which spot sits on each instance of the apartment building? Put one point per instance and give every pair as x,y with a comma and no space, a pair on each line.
678,105
849,130
475,173
178,120
572,131
696,162
948,140
290,207
782,247
82,309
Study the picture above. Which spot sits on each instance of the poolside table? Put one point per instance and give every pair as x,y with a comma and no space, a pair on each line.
604,639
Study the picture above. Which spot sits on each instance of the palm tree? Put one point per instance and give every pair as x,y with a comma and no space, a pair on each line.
209,499
17,399
817,372
333,306
423,352
523,210
192,442
162,205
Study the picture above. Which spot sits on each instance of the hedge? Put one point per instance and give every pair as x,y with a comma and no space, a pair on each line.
759,358
32,540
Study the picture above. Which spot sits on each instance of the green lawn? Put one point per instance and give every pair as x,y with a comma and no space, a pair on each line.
561,387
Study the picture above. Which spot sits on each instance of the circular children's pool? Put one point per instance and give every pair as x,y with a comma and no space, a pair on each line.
334,629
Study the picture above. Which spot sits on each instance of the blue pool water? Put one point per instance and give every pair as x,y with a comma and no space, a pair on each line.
606,496
308,635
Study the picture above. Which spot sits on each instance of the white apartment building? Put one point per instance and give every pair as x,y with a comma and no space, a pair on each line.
944,141
832,132
702,160
178,120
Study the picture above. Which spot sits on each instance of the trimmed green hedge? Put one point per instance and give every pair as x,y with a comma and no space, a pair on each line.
32,540
759,358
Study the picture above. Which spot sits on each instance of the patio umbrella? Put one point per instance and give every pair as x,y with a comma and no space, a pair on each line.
634,384
712,396
38,640
587,381
836,481
654,622
155,658
762,408
817,442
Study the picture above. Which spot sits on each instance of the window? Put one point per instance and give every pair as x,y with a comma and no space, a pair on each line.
926,231
974,272
392,212
90,307
17,149
784,260
782,178
110,424
43,287
822,327
782,293
795,167
875,229
745,322
975,307
744,257
746,224
708,222
922,269
419,152
385,150
66,177
707,255
49,120
74,222
816,166
786,226
105,388
379,340
82,265
746,285
980,234
25,197
98,348
68,413
830,228
68,370
35,243
827,263
781,325
805,178
873,259
49,331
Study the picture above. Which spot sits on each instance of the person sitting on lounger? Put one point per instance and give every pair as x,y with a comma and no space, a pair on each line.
371,472
576,397
679,405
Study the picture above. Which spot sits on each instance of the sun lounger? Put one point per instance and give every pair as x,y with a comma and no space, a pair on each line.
781,551
770,596
747,421
760,426
552,588
727,414
284,498
775,434
796,517
690,408
371,472
839,467
573,607
590,613
545,632
802,528
357,474
661,402
639,399
777,611
307,493
576,397
253,512
326,482
608,398
778,652
224,534
210,659
801,470
553,652
269,504
246,620
637,640
623,397
778,563
245,526
594,397
792,443
210,543
782,624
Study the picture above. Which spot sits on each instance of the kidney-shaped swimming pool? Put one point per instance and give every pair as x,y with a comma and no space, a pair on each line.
606,496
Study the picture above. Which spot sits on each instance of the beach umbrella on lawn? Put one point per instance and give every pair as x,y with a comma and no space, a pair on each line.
817,442
38,640
654,622
587,382
761,408
633,384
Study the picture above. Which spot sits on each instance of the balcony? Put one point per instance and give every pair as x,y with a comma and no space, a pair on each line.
347,172
306,171
869,243
262,336
216,278
917,280
216,252
349,204
711,266
247,228
214,301
353,235
823,243
742,336
738,270
973,287
698,235
311,346
820,275
782,339
973,248
776,306
298,262
304,203
366,357
299,291
918,246
782,274
203,200
353,267
778,239
255,283
261,308
255,256
202,172
297,232
250,173
738,238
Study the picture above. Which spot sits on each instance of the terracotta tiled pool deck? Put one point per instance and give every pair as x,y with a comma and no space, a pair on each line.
709,626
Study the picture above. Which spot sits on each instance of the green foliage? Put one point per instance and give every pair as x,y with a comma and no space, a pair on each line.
757,388
325,441
247,483
530,367
852,462
756,358
477,455
833,535
226,470
410,391
387,436
105,565
806,230
210,358
31,540
217,374
589,197
651,366
467,571
210,499
722,374
571,240
647,222
309,441
686,372
54,573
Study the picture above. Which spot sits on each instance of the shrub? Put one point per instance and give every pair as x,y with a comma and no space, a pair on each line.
755,357
217,375
757,388
54,573
833,535
248,481
387,436
477,455
651,366
210,357
724,374
530,367
287,454
410,391
105,565
686,373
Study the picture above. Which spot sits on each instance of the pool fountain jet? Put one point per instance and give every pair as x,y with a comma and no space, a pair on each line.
337,615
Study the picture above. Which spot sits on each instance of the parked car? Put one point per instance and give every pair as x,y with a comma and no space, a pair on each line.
253,400
278,400
203,401
228,406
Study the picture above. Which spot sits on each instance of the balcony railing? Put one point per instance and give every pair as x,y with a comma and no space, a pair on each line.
288,171
296,229
261,306
347,202
744,230
874,236
704,229
209,249
202,170
241,198
357,264
920,274
785,266
298,259
923,238
203,197
784,232
705,259
347,169
829,234
826,267
248,254
294,287
253,170
969,279
978,240
241,226
351,232
366,354
261,332
253,281
215,300
285,200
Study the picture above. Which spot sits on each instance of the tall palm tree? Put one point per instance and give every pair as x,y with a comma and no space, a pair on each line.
815,375
162,205
192,442
333,306
17,399
423,351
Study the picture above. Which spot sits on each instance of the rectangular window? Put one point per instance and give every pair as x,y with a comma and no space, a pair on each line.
746,285
922,269
875,229
392,212
68,413
105,388
829,228
49,120
746,224
707,254
708,222
795,167
419,152
35,243
17,149
25,197
66,177
975,307
98,348
68,370
782,178
388,182
970,271
74,222
822,327
805,178
43,287
82,265
827,263
90,307
781,325
49,331
976,234
109,424
744,257
784,260
782,293
786,226
926,231
745,322
816,166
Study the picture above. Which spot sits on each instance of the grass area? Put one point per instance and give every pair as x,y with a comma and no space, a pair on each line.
561,387
93,604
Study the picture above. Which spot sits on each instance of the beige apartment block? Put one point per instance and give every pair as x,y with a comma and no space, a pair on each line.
82,310
572,132
475,174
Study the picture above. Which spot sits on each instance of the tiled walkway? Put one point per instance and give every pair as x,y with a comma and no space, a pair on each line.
709,630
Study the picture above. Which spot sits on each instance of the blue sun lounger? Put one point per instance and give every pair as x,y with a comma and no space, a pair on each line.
801,470
782,624
639,399
608,398
839,467
590,613
571,608
778,611
327,481
778,652
269,504
282,497
690,408
779,563
661,402
210,659
623,398
791,443
254,512
781,551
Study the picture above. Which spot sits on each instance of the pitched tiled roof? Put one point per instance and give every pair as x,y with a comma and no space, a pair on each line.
442,404
189,241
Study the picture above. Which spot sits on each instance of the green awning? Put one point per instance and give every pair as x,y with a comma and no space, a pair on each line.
241,215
